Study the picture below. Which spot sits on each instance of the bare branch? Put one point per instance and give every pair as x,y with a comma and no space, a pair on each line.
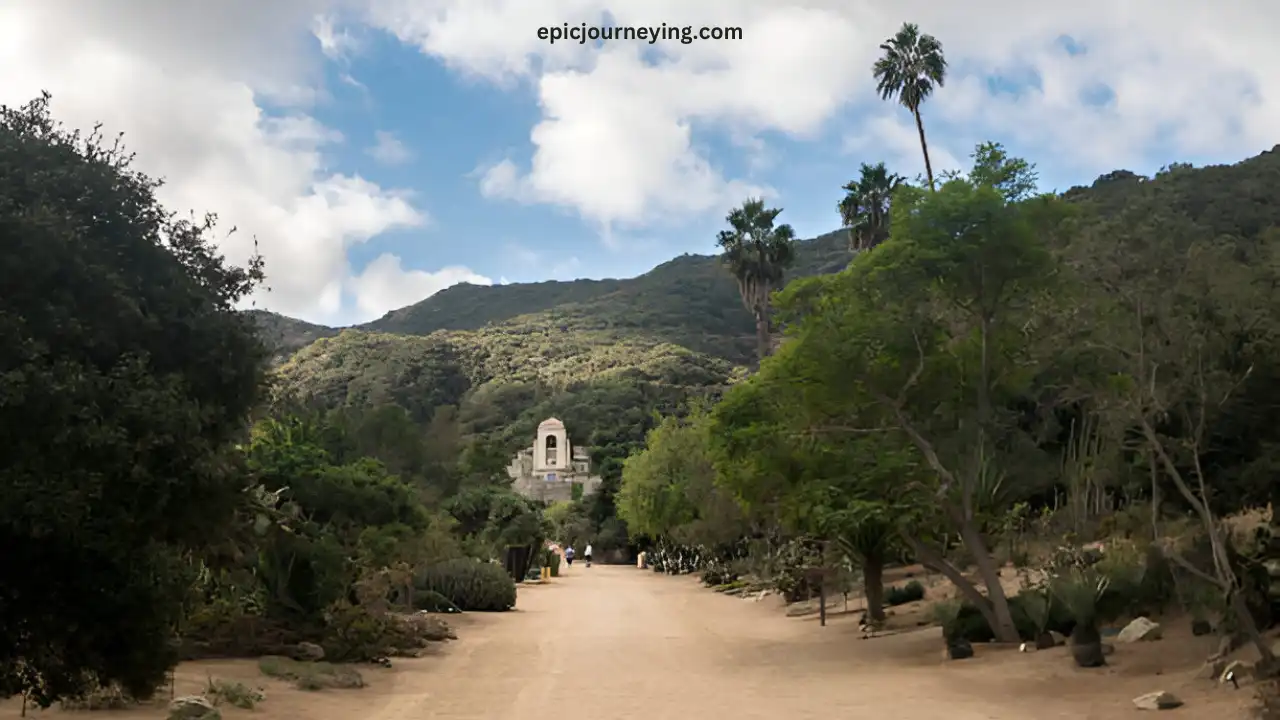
1181,562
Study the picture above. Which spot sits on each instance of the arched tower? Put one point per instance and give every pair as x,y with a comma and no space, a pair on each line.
551,449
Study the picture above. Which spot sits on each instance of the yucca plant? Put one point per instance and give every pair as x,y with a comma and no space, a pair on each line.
1080,591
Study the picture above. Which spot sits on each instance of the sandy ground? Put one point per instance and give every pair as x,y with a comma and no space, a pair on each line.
620,643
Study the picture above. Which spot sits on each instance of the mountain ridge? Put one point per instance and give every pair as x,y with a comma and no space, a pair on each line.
701,282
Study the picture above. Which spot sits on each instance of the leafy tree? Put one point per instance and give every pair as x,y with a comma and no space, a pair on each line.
911,67
865,207
757,253
818,485
669,490
128,376
926,337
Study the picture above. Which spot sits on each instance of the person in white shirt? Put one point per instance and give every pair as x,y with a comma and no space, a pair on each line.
586,555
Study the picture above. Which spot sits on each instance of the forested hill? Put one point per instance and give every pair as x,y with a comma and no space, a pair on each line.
690,301
602,355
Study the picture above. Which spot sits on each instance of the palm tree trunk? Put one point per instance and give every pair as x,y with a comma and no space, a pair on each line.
924,146
762,333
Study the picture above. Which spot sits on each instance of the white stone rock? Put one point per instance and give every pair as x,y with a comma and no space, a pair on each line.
1141,629
1158,700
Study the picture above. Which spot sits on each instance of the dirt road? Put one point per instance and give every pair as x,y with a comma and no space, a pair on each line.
617,643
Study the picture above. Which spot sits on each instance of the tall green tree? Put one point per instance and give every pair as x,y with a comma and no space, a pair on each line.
668,489
911,67
813,482
757,253
865,207
926,338
128,378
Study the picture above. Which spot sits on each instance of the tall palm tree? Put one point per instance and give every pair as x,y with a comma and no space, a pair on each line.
757,253
865,207
911,67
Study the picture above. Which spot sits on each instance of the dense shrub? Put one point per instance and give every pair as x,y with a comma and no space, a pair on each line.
470,585
910,592
969,624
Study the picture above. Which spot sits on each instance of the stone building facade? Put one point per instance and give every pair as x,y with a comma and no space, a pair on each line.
549,469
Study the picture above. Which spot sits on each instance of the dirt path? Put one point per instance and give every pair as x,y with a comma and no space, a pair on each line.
618,643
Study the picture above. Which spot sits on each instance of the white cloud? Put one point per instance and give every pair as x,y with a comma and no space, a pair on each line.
385,285
187,82
615,142
388,150
336,42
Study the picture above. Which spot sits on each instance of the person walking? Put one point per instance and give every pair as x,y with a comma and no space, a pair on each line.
587,554
568,556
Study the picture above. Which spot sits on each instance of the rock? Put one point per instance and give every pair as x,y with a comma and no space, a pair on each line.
193,707
1158,700
1200,628
1058,638
307,652
1272,566
1044,641
958,650
1108,648
1140,630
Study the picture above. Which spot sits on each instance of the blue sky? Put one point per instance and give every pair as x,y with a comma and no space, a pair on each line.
505,158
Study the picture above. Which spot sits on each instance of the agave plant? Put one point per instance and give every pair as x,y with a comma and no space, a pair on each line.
1079,590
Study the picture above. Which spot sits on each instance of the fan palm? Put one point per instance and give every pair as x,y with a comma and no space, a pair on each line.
865,207
757,253
911,67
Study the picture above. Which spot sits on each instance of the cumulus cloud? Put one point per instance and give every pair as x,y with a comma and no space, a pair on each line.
615,142
388,150
187,82
385,284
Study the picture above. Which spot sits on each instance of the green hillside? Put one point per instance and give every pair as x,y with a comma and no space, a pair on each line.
603,355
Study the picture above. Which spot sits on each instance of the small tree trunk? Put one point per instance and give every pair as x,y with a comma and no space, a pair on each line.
873,585
933,559
822,601
1003,627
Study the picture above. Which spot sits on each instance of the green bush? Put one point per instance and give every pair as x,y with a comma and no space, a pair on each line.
969,624
910,592
470,584
432,601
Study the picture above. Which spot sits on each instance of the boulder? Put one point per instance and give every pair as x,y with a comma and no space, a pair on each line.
1140,630
1058,638
307,652
193,707
1200,628
1158,700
